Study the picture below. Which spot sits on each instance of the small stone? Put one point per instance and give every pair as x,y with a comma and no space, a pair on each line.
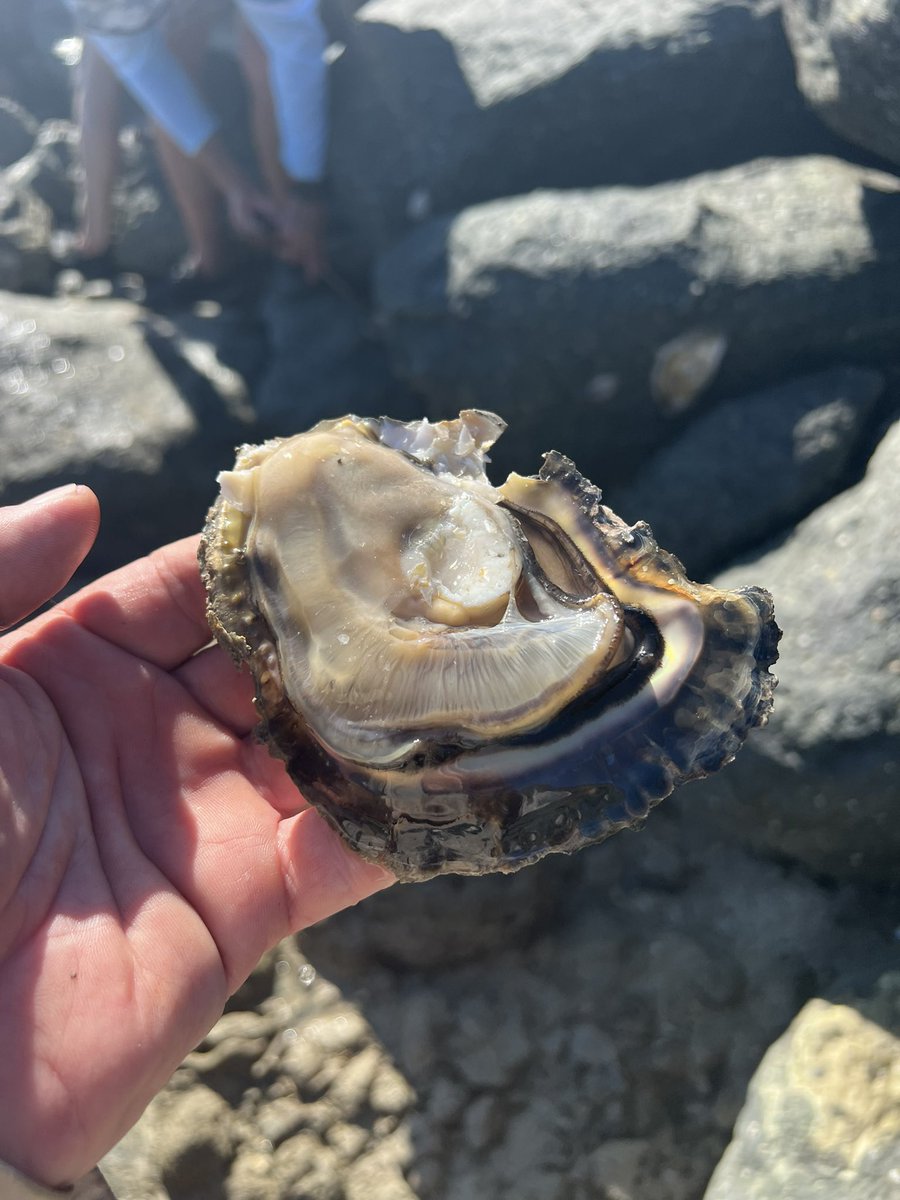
195,1145
339,1031
390,1092
347,1141
252,1178
280,1118
350,1090
614,1170
481,1123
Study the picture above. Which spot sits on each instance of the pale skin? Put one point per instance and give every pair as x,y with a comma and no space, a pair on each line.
150,849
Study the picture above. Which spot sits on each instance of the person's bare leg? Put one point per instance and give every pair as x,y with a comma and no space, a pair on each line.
301,238
194,193
97,116
263,121
198,205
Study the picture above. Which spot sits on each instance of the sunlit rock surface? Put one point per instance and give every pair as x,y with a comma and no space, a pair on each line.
822,1117
820,784
564,299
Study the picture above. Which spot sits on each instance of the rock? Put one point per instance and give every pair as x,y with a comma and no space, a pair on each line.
391,1094
608,1056
452,920
25,224
18,130
31,73
848,58
51,169
554,309
350,1091
194,1147
430,97
323,360
118,407
252,1178
819,784
488,1054
616,1169
379,1175
822,1118
308,1170
148,237
751,467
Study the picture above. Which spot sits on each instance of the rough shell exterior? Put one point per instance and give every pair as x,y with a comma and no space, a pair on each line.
678,672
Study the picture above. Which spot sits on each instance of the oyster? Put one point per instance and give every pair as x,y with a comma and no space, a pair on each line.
464,678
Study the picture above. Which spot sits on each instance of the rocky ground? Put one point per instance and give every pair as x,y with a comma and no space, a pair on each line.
664,239
593,1038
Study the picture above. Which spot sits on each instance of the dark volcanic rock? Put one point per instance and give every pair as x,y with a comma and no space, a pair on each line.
820,783
17,132
592,320
323,358
86,399
822,1119
752,466
848,66
439,106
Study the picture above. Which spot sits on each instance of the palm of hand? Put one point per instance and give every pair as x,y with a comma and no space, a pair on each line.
150,851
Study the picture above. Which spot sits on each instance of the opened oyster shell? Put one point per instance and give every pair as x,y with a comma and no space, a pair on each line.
464,678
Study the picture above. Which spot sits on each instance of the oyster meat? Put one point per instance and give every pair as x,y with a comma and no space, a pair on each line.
464,678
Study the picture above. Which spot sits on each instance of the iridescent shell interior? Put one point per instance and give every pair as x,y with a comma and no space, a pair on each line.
462,677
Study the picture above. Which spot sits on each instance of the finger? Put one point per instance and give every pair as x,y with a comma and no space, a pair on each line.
221,689
42,542
321,875
154,608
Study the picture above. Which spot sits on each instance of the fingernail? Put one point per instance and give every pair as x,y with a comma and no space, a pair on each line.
67,489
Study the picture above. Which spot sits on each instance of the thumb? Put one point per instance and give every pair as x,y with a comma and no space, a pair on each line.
42,542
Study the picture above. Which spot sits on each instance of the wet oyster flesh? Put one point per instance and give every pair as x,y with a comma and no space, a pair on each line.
462,677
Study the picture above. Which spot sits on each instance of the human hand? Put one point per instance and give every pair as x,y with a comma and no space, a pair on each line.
300,238
251,214
150,849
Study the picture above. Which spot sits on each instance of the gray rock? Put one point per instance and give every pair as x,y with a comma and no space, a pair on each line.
453,920
324,358
94,393
38,195
752,466
594,321
439,106
194,1147
30,72
25,224
18,130
822,1118
52,168
148,236
848,66
820,783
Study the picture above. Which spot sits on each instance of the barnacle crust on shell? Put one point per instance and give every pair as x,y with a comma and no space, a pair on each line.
462,677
